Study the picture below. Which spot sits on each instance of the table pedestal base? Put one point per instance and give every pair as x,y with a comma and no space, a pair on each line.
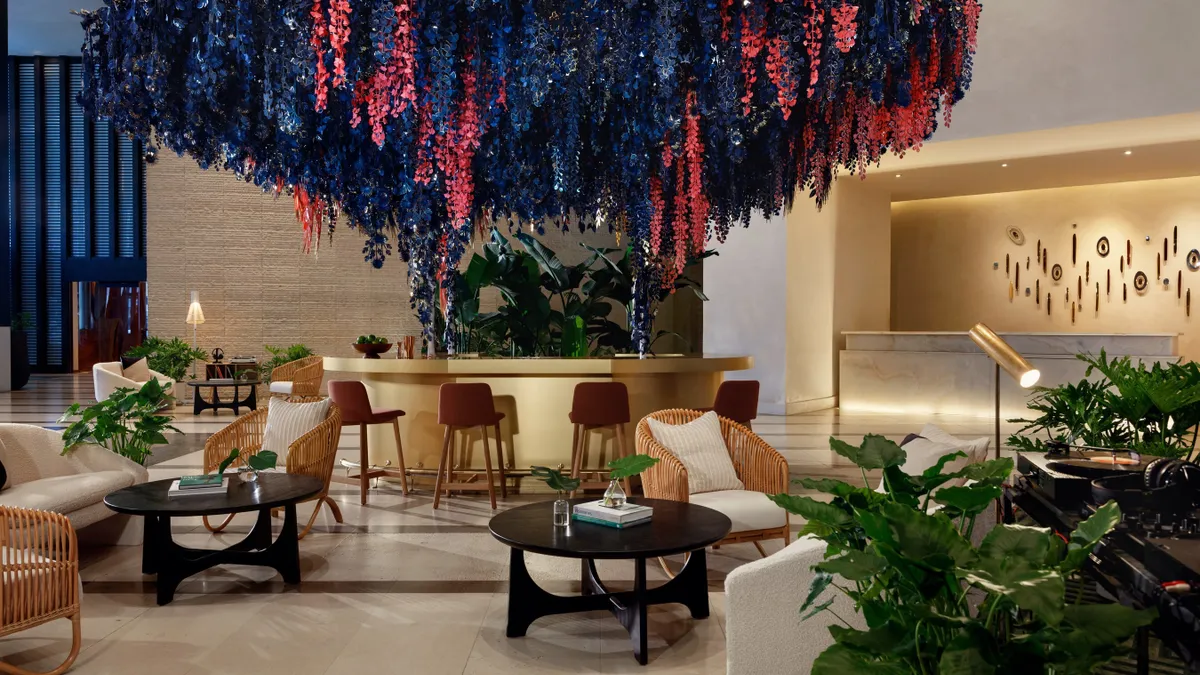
527,602
174,563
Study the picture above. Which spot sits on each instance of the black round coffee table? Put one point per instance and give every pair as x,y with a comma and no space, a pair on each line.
676,527
174,563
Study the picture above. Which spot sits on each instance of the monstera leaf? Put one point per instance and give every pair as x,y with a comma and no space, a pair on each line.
555,479
630,465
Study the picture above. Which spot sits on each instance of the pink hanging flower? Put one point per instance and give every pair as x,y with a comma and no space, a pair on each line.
845,30
309,211
812,42
455,151
754,38
657,206
321,79
339,35
694,153
779,69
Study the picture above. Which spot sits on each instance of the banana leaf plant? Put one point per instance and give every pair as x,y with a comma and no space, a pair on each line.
904,556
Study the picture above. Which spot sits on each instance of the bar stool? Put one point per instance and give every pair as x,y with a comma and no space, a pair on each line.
351,397
462,406
736,400
597,405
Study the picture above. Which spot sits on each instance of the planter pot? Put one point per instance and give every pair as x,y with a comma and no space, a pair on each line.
180,392
20,359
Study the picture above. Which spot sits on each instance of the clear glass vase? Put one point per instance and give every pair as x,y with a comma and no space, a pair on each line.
614,496
562,512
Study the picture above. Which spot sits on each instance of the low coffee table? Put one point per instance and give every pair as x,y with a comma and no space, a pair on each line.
174,563
676,527
199,405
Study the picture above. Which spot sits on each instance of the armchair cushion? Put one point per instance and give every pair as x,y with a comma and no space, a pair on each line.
287,421
977,449
701,449
66,494
281,387
748,510
138,371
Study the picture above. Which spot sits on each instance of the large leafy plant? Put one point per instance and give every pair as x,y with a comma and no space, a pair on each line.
280,356
170,356
1151,409
128,422
934,603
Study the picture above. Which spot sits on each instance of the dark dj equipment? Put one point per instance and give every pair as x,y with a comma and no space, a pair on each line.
1152,558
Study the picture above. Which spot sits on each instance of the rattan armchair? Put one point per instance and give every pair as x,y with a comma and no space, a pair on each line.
39,576
759,466
304,374
313,454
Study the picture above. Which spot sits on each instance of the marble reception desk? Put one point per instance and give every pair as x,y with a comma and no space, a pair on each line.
942,372
533,393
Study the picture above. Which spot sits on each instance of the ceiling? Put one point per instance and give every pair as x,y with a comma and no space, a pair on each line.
45,27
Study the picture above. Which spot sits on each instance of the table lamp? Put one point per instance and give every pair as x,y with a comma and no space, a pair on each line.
195,317
1007,358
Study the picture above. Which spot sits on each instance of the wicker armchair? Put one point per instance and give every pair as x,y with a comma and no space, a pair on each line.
759,466
301,377
313,454
39,576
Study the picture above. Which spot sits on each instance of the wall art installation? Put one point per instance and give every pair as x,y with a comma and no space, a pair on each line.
1140,282
1026,262
1015,235
1122,265
1097,297
1017,276
1087,271
1044,257
1178,284
1010,291
1027,291
1157,266
1102,247
1047,304
1037,289
664,121
1039,251
1124,293
1056,272
1079,289
1128,251
1164,248
1189,302
1175,240
1108,282
1074,237
1193,260
1007,271
1072,313
1166,282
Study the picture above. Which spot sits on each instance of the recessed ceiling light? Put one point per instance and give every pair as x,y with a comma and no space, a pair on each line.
897,175
1129,152
1003,165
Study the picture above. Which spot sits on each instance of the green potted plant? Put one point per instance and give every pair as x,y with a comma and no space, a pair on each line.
259,461
622,469
127,422
172,357
560,484
280,356
22,323
934,603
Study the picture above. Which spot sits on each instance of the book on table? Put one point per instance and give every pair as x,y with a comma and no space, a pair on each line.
584,518
215,489
627,513
201,481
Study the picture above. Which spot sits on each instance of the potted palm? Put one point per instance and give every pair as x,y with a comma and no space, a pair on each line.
172,357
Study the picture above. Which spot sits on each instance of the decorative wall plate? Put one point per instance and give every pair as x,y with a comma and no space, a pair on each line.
1102,247
1056,272
1193,260
1140,282
1015,235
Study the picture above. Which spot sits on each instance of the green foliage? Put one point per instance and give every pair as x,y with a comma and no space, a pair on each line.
280,356
547,308
371,339
630,465
260,461
1151,409
171,357
127,422
555,479
22,321
908,568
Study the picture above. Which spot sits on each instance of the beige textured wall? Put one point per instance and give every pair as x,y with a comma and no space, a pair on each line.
943,250
242,250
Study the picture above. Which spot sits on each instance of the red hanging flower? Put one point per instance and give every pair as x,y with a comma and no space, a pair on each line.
339,35
657,206
812,42
845,30
320,80
754,37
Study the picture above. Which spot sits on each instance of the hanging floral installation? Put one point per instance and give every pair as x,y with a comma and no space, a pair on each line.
416,122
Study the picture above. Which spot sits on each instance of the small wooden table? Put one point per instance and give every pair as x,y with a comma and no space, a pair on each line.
677,527
174,563
199,405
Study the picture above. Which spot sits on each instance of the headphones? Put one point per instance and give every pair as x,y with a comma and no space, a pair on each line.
1167,486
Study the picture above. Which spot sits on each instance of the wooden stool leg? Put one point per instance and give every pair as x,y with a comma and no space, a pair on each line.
363,481
500,463
437,484
623,451
400,457
487,463
574,451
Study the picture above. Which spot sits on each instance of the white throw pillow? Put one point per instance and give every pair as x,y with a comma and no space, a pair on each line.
138,371
977,449
287,421
701,449
924,453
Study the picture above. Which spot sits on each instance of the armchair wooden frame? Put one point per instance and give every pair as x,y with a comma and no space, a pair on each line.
313,454
305,375
39,577
759,466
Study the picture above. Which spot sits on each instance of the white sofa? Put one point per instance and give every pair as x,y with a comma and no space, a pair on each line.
41,477
108,377
763,630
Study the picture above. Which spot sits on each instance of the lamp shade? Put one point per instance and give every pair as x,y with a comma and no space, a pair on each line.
1005,356
195,315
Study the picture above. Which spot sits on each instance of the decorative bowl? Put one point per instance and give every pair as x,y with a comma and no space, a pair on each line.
372,351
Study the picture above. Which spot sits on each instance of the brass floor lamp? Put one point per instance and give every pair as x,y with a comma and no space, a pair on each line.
1007,358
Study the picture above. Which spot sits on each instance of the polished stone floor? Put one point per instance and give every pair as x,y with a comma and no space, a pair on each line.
397,588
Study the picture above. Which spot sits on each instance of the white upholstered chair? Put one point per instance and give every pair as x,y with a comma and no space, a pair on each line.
109,376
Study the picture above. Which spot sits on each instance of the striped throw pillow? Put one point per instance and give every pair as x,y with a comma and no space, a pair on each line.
700,447
287,421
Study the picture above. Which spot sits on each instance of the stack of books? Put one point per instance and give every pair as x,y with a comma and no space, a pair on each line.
213,484
620,518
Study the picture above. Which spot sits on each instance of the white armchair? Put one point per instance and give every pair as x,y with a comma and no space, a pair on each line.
108,377
41,477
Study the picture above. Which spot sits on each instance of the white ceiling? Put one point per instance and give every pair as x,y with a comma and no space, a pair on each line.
45,27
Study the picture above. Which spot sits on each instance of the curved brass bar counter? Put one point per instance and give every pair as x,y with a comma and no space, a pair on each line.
534,394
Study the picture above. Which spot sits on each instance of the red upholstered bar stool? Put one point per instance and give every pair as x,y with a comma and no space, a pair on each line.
598,405
462,406
351,397
737,400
